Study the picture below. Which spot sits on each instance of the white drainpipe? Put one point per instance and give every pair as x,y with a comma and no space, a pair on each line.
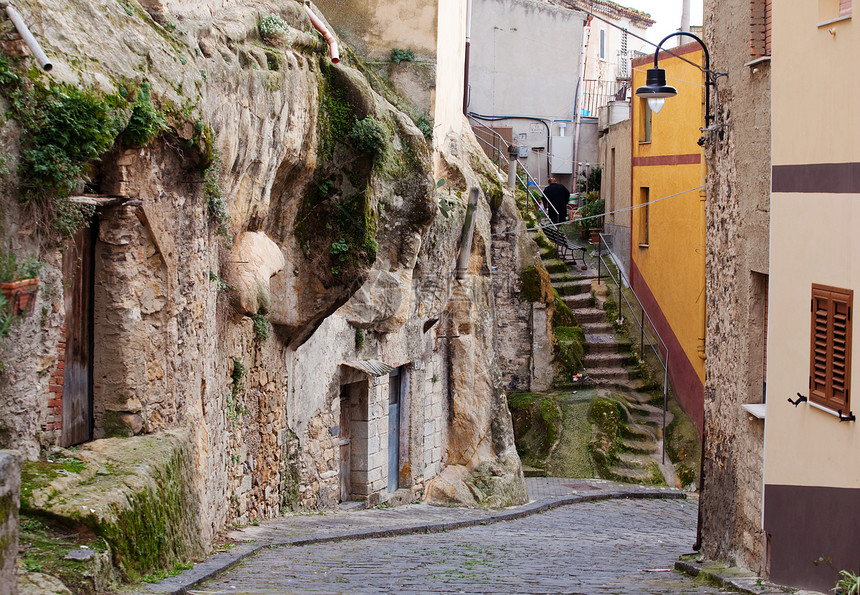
28,38
332,42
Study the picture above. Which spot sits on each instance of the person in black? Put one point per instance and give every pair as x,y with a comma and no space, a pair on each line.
558,196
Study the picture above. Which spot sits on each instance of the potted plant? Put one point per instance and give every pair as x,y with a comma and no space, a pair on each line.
596,209
19,282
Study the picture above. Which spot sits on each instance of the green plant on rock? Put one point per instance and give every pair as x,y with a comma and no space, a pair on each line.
398,55
425,125
67,128
368,135
359,339
273,29
262,326
145,121
238,376
216,202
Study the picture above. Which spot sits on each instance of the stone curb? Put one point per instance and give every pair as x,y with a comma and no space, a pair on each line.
736,579
213,565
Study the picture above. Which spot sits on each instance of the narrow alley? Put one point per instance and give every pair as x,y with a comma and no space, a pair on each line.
576,536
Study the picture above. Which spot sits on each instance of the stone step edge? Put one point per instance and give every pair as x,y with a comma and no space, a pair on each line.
182,583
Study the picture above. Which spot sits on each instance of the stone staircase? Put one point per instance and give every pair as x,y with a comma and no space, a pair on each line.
610,367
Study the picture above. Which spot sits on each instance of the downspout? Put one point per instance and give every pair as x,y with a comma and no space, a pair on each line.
320,26
28,38
468,233
578,104
466,66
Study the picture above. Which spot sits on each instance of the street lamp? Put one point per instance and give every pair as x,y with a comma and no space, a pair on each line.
656,91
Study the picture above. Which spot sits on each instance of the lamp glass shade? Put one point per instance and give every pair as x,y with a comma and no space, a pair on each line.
656,104
655,86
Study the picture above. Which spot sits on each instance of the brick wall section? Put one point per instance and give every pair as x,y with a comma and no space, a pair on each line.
55,388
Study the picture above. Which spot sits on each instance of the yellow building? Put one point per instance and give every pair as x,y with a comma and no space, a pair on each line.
812,449
667,263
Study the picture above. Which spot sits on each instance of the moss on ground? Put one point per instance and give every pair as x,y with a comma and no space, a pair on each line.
536,418
571,456
569,347
683,445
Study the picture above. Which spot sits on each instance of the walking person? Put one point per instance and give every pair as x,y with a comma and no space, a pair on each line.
558,196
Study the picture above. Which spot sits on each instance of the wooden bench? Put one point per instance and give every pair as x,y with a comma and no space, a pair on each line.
563,244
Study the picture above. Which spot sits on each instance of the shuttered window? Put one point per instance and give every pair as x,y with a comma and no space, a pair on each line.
830,351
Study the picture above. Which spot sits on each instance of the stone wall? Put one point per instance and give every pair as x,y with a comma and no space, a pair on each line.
615,189
10,486
246,344
737,218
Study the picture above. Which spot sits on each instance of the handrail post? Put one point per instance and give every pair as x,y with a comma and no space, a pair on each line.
599,260
665,402
642,332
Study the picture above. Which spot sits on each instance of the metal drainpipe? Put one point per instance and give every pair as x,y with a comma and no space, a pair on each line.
28,38
468,50
320,26
468,232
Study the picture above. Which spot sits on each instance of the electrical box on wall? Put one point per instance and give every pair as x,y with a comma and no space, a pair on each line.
523,151
562,155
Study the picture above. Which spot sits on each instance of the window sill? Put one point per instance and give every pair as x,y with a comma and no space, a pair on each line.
758,61
643,245
823,408
644,142
836,20
758,410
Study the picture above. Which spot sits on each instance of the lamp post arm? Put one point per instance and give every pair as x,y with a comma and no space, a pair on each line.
707,70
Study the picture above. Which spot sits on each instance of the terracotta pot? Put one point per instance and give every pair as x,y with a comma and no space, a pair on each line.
583,232
595,235
20,295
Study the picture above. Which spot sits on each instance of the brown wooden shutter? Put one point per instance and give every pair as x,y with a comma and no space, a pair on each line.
830,349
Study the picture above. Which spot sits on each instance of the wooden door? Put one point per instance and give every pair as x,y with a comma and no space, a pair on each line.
77,377
345,444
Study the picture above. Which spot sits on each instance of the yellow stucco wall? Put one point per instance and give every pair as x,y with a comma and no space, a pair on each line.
814,239
673,263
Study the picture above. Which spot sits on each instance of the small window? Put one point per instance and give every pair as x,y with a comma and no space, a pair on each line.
644,216
645,124
830,347
603,44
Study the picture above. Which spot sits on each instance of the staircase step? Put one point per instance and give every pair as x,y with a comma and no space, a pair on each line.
597,328
590,315
603,360
575,287
602,375
641,447
601,344
577,302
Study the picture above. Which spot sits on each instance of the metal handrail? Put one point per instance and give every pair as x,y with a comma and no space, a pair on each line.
522,182
640,322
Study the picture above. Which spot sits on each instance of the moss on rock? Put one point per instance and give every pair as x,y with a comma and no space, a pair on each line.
134,493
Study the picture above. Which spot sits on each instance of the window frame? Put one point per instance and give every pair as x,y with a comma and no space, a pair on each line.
828,389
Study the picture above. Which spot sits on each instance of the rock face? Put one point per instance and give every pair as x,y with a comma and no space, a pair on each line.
269,280
10,486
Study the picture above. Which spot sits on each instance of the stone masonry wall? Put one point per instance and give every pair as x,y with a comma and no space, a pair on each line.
736,269
10,485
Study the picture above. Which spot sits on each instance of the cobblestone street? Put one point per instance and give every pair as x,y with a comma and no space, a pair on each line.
614,546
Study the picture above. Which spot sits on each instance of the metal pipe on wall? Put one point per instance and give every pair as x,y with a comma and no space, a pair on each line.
28,38
320,26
